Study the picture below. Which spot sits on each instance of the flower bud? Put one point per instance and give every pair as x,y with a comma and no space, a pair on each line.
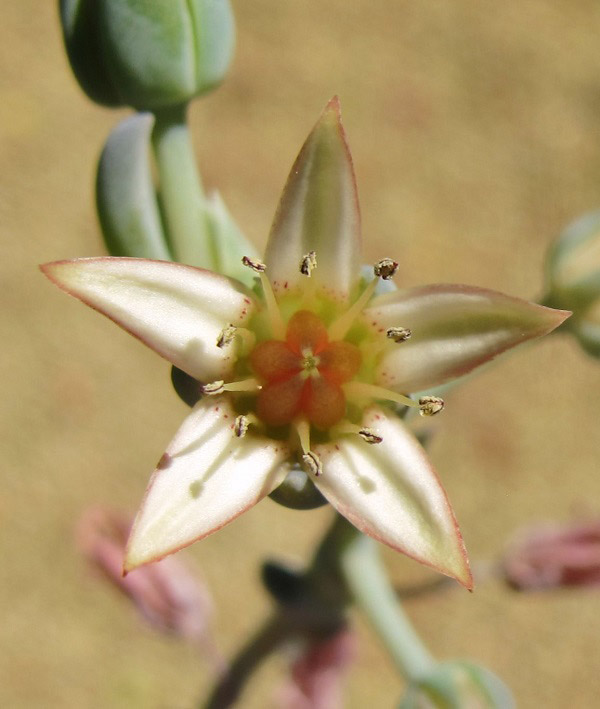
147,55
573,279
167,595
317,673
458,684
554,556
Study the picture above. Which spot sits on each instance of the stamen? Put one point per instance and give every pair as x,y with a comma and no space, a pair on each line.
370,436
312,463
254,264
243,385
243,422
240,426
275,319
362,390
303,430
338,328
385,269
367,434
430,405
230,332
398,334
308,263
213,388
226,336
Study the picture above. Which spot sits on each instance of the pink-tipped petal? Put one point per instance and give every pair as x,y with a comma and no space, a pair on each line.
454,329
318,212
391,492
176,310
206,478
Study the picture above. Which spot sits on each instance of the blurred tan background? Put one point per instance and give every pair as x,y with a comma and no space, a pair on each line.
475,133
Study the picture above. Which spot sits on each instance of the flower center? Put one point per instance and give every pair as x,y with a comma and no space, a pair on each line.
301,375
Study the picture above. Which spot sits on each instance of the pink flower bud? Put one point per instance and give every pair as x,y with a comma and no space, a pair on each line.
317,673
553,555
168,596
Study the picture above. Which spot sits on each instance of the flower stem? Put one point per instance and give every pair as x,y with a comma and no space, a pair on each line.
180,189
227,690
371,590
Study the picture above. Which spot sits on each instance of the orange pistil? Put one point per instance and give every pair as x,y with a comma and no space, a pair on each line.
303,374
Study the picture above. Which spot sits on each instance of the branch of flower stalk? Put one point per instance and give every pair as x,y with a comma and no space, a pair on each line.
311,606
180,189
372,592
271,636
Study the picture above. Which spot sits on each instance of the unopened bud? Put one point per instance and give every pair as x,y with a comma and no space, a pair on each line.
573,280
147,54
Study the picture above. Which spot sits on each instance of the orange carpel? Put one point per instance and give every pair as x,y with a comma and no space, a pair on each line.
279,403
273,361
324,403
340,362
302,375
305,330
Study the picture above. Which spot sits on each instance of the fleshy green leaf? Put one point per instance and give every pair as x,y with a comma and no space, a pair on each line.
390,491
176,310
454,330
228,243
125,196
318,212
458,685
206,478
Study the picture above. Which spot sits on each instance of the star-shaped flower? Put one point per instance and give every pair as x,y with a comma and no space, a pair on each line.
313,367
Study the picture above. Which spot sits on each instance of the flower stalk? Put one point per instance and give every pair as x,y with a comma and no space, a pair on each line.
180,189
370,588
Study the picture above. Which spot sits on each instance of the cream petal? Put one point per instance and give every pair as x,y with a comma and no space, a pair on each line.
318,211
206,478
176,310
390,491
454,329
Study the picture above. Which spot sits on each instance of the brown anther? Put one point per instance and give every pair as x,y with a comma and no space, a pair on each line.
240,426
254,264
226,336
213,388
385,269
308,263
430,405
369,436
312,463
398,334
